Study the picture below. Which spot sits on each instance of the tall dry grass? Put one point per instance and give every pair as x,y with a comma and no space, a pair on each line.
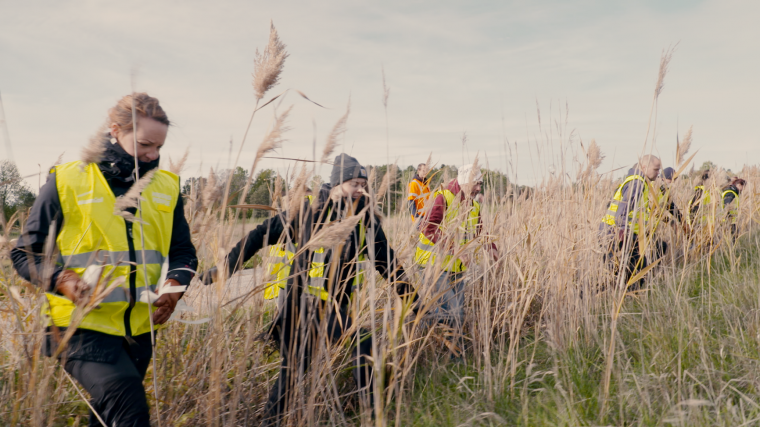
538,325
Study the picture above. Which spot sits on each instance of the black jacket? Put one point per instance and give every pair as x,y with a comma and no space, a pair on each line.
117,167
314,217
730,196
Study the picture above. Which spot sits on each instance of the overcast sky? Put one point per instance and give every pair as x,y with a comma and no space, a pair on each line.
481,67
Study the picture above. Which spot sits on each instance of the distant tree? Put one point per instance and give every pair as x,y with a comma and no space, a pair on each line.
708,165
14,193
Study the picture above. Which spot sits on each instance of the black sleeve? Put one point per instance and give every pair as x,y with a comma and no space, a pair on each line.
182,251
28,255
393,271
413,208
266,233
728,198
675,212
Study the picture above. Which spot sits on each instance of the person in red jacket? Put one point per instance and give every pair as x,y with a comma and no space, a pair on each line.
452,221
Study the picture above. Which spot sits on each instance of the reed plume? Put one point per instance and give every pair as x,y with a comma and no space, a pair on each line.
388,179
272,141
131,198
667,55
176,168
335,233
297,193
267,66
684,146
332,139
93,151
211,191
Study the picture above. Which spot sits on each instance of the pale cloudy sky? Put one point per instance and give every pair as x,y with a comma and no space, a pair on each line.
480,67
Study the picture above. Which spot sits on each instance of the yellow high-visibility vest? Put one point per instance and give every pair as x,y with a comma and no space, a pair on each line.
93,235
735,211
609,217
281,259
317,280
425,254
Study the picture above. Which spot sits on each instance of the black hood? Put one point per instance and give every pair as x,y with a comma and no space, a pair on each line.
118,166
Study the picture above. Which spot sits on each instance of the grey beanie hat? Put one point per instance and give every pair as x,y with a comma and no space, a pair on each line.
346,168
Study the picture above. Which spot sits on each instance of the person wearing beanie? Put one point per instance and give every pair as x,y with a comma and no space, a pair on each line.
322,280
665,197
452,221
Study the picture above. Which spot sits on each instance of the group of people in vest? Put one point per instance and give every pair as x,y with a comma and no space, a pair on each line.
90,218
633,205
113,216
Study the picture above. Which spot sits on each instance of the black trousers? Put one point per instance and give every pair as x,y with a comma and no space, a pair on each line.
117,390
635,262
297,346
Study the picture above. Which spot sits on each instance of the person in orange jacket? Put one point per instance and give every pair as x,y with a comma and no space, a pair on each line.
418,191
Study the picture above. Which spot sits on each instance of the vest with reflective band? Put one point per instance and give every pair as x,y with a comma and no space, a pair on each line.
705,194
644,208
93,234
418,191
733,212
317,272
425,253
705,216
280,261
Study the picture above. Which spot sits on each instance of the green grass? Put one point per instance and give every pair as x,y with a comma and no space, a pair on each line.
683,356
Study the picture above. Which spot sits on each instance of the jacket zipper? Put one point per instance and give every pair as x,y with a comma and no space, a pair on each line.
132,280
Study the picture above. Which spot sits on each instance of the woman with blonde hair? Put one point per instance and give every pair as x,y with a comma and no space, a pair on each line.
96,229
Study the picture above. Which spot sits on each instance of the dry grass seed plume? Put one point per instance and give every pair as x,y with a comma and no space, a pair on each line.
683,148
267,66
336,132
297,193
131,197
272,141
388,179
93,151
335,233
176,168
667,55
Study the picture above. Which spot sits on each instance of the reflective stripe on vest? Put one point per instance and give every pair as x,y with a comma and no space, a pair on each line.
92,234
609,217
317,273
425,253
734,211
280,262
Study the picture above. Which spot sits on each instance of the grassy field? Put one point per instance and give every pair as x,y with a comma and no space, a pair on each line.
552,335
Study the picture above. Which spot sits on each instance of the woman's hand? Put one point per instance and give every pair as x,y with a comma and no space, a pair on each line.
71,286
166,304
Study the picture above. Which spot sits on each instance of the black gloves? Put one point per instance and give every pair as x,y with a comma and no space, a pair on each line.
209,276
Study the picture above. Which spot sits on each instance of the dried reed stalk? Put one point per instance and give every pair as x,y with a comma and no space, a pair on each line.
332,139
683,147
93,151
268,66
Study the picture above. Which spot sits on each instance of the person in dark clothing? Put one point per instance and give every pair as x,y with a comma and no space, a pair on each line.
668,176
110,351
319,289
730,193
701,196
619,229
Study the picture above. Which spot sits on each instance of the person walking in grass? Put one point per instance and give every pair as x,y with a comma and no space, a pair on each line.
81,202
419,191
452,223
730,195
665,196
629,208
337,240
